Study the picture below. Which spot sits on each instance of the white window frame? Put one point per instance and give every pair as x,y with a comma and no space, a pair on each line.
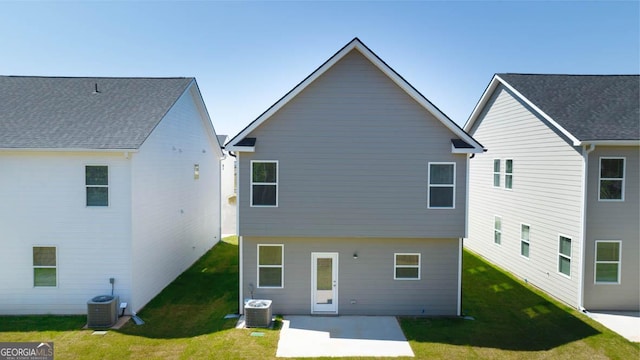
34,267
527,241
569,257
258,267
264,183
86,186
196,171
596,262
429,186
508,174
498,231
396,266
624,175
498,173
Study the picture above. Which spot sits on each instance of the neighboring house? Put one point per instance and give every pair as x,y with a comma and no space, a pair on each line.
102,178
352,195
228,190
555,200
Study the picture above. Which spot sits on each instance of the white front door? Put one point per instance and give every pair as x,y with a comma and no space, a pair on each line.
324,283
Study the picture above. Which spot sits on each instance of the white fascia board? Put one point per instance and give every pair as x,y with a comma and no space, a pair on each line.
611,142
293,93
575,140
240,148
473,150
382,66
194,90
493,84
418,97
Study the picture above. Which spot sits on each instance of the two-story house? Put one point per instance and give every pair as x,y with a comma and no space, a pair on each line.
106,184
555,200
352,195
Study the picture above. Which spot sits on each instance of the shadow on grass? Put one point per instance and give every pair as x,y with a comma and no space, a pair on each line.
508,316
197,301
41,323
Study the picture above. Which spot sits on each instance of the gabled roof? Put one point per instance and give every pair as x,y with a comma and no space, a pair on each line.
83,112
237,143
601,109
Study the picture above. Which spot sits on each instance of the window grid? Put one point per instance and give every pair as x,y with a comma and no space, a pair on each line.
496,173
399,266
605,261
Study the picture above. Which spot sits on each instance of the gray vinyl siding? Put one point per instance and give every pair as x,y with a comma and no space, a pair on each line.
546,195
614,221
368,279
352,150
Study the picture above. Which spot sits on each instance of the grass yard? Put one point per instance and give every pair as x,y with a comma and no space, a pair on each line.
185,321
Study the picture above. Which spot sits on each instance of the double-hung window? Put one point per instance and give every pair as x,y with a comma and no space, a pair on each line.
406,266
97,185
442,185
611,179
497,230
508,174
607,262
44,266
496,172
264,183
564,255
524,240
270,266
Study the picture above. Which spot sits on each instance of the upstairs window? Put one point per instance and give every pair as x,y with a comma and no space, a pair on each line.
44,266
264,183
508,174
97,185
441,187
496,172
611,179
196,171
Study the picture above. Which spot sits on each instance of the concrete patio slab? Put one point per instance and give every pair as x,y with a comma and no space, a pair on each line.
625,323
314,336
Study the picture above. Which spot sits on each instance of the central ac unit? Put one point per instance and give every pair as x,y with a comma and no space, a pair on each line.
102,311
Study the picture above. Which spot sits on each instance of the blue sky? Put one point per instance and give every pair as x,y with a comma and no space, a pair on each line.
246,55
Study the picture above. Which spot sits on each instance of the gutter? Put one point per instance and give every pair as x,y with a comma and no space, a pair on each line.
586,150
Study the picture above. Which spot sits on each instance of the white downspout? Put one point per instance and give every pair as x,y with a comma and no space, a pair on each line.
240,253
583,218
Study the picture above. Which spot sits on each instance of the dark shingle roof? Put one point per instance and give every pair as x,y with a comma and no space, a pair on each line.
590,107
67,113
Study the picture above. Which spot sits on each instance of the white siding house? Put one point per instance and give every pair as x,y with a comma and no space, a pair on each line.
339,217
228,190
102,178
538,204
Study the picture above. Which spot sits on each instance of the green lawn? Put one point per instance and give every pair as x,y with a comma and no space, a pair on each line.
186,322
